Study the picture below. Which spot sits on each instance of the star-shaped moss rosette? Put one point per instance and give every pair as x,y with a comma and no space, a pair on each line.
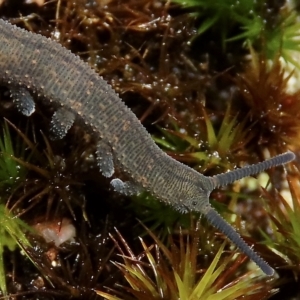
179,271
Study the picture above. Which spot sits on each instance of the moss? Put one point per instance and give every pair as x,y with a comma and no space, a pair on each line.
207,104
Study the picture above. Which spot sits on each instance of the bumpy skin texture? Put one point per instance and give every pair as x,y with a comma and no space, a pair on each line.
51,71
43,67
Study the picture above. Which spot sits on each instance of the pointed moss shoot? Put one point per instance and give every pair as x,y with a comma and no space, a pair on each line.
149,275
11,171
187,145
11,235
223,16
285,224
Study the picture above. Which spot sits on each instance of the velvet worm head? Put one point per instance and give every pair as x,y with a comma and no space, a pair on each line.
201,204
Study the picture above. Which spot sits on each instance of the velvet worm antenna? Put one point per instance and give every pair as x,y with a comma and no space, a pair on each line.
217,221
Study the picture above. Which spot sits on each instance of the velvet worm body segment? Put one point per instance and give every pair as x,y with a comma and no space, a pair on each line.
43,67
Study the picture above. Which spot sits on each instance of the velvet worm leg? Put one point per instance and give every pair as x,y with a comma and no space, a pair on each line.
23,100
126,188
62,120
105,160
